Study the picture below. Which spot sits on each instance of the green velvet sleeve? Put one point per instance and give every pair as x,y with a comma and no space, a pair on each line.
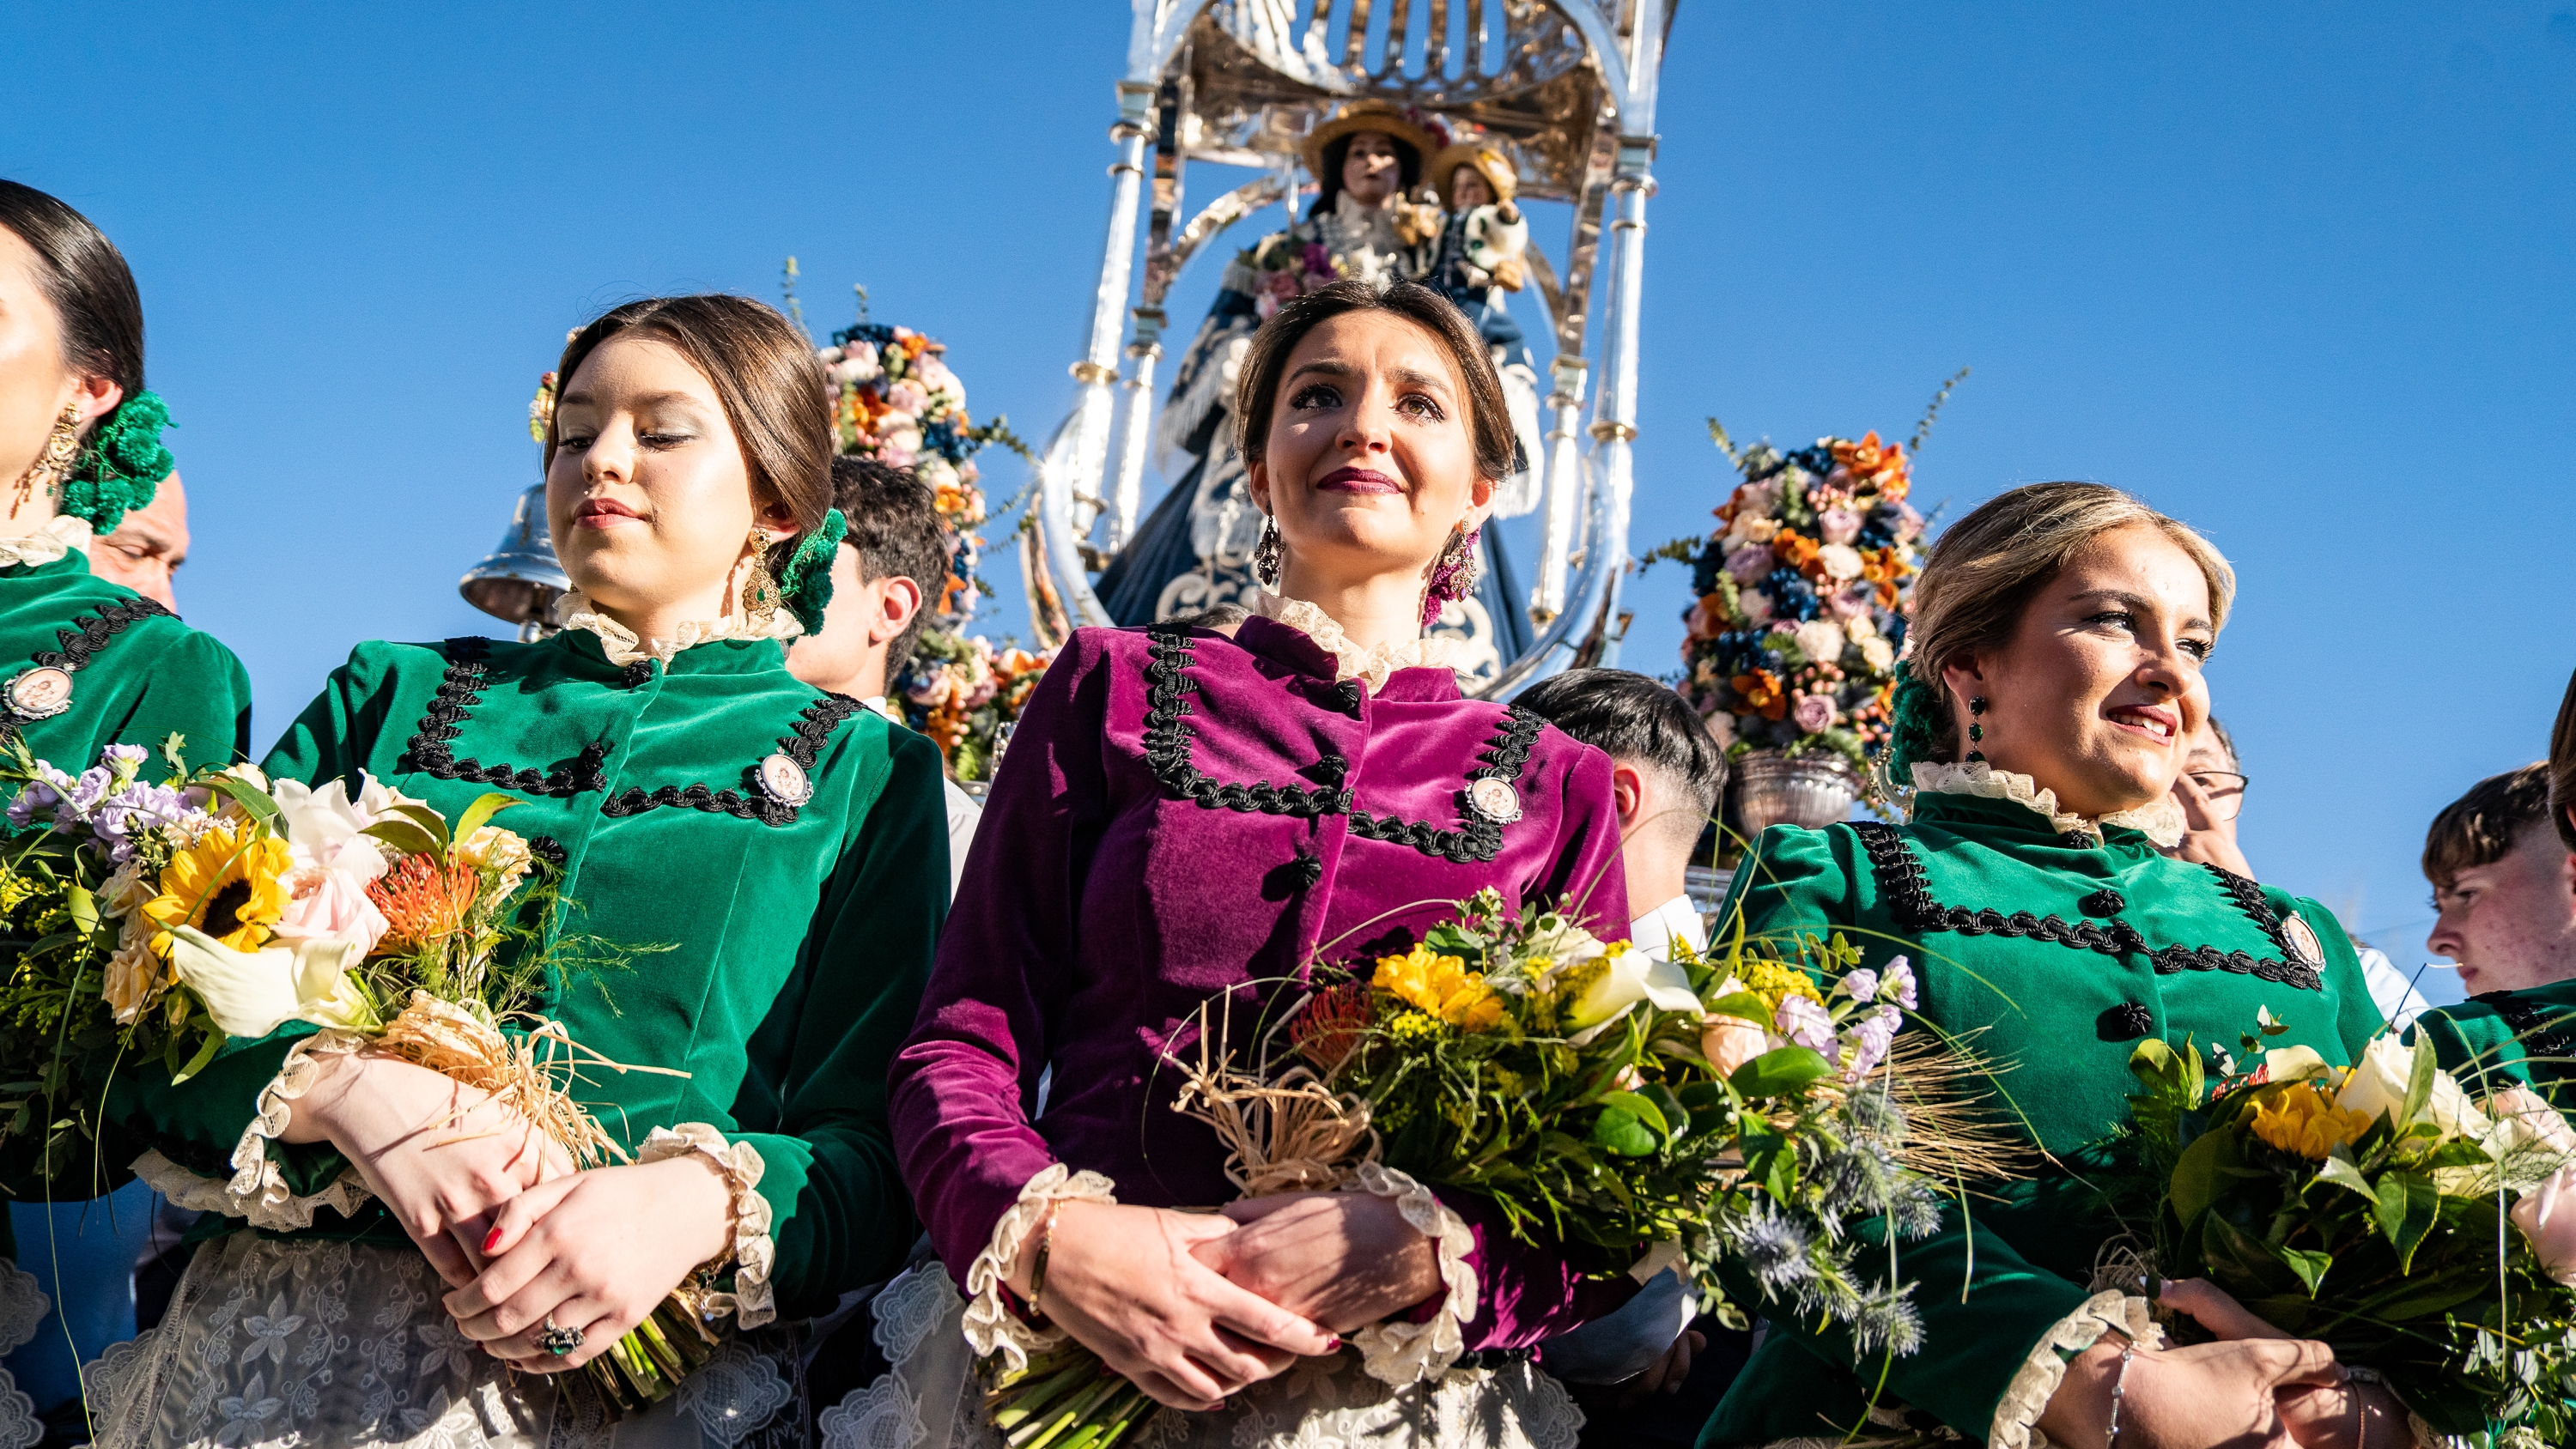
814,1100
1982,1305
199,1123
195,688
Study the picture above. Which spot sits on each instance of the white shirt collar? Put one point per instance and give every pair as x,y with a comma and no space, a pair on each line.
1675,920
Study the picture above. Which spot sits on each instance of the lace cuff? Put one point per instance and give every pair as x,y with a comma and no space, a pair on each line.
257,1190
753,1301
991,1326
2027,1396
1409,1353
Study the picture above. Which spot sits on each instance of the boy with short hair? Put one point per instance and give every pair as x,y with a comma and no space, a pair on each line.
2505,884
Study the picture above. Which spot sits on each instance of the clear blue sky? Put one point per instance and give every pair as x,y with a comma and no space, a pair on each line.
2297,272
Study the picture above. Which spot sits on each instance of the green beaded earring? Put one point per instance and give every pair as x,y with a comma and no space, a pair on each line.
1976,732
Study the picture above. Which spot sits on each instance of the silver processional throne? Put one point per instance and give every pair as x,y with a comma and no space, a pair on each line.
1565,88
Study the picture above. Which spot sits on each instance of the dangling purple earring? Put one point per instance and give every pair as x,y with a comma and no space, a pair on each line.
1454,577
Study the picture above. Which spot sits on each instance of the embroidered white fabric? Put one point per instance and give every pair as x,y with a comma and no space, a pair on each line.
290,1344
1373,662
1399,1353
754,1300
23,1306
620,644
934,1398
2026,1397
990,1325
257,1190
59,536
2161,822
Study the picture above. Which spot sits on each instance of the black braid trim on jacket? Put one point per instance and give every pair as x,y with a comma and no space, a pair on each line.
1909,893
1167,753
2541,1034
431,752
803,743
88,636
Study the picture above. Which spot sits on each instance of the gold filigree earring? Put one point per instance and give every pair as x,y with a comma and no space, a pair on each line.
760,597
54,464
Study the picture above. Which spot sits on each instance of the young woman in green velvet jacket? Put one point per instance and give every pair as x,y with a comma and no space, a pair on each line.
417,1284
2059,633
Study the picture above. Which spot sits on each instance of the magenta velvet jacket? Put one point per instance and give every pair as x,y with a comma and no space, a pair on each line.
1181,814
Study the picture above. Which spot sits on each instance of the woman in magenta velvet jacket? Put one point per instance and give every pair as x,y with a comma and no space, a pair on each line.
1211,806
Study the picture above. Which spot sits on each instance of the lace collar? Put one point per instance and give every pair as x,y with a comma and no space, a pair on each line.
2160,822
59,536
620,644
1371,663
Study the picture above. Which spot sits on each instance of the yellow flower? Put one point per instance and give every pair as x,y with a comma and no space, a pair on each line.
1413,1026
1775,983
1441,986
2305,1121
229,884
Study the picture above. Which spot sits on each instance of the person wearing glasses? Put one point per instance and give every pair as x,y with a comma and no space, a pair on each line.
2211,792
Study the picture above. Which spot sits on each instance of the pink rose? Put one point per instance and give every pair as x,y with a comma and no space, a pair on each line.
1909,524
1813,712
1857,602
1749,564
1841,525
908,396
2547,1216
1755,604
322,902
1730,1041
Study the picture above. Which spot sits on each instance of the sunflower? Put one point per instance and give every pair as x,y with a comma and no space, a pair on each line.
230,884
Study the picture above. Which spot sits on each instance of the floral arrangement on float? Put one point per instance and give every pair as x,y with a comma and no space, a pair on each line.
1799,616
1752,1106
156,920
2423,1235
895,399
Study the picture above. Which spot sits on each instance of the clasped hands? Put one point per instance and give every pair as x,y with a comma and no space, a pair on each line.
2255,1386
520,1236
1193,1307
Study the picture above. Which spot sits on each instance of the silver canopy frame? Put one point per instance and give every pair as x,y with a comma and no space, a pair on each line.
1565,88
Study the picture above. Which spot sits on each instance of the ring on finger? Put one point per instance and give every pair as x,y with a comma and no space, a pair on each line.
556,1339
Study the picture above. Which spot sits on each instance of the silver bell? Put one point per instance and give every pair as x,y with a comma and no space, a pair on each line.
522,579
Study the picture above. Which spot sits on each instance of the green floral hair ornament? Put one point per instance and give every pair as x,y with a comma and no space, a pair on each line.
1914,734
807,585
123,465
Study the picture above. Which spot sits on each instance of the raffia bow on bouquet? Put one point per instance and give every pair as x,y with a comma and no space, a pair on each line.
1645,1114
2377,1208
161,920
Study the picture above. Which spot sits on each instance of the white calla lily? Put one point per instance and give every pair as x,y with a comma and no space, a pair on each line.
252,993
1620,978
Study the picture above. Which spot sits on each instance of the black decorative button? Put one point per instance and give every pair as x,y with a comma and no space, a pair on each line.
638,673
1330,769
2127,1021
1306,870
2104,902
1348,693
2077,840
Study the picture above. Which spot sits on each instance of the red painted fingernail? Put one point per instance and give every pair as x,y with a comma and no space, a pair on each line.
492,1241
1332,1345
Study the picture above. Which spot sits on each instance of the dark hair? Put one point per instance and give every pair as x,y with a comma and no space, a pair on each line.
1489,420
763,370
86,279
1637,721
1337,151
2482,826
894,524
2562,767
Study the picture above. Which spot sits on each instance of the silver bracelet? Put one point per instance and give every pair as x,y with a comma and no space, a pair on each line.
2119,1385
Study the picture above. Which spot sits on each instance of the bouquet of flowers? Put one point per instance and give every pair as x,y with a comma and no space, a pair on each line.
1792,644
1651,1114
966,695
162,919
2368,1208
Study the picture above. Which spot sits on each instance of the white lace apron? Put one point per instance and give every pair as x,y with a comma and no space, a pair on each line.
23,1306
270,1344
932,1400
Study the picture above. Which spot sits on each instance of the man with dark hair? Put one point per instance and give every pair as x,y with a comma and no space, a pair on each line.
2505,883
889,574
1666,772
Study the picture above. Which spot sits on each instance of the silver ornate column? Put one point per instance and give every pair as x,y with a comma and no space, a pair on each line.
1559,538
1614,426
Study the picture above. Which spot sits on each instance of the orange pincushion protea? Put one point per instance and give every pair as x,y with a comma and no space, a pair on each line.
1331,1025
424,902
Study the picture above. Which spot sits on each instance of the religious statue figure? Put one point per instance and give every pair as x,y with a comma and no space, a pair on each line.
1478,260
1374,217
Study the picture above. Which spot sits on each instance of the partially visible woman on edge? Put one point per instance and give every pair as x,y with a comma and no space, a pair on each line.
1204,807
430,1287
84,663
2054,683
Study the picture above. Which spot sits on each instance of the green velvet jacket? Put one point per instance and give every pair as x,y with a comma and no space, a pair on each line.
802,931
2498,1038
2058,952
137,676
